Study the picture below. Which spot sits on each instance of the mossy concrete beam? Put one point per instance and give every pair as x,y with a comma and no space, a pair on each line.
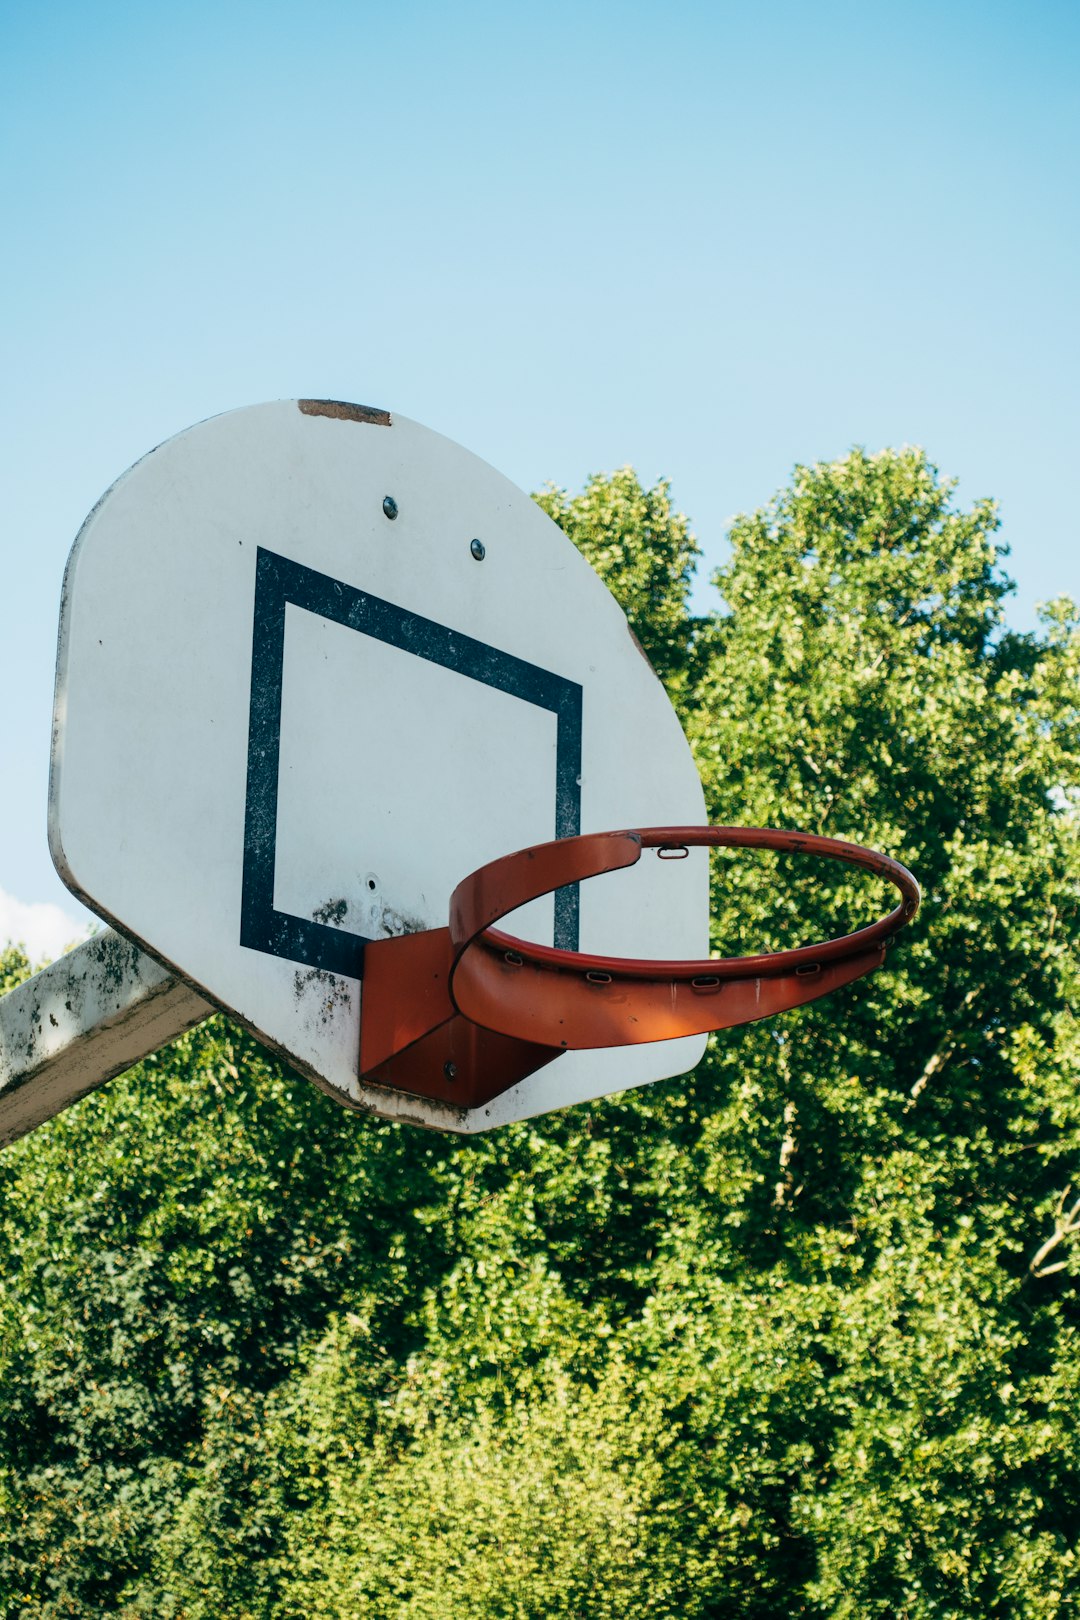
83,1019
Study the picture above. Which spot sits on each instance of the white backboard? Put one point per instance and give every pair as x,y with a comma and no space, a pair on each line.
316,665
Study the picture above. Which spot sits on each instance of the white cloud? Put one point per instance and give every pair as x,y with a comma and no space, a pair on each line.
44,930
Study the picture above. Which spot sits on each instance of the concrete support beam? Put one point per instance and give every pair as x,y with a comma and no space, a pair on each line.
90,1015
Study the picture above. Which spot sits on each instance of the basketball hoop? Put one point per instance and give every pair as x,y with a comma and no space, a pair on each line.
404,669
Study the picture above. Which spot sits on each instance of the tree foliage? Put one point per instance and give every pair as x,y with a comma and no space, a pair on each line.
796,1335
645,552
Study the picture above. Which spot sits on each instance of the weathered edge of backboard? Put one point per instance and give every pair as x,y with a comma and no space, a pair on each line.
60,681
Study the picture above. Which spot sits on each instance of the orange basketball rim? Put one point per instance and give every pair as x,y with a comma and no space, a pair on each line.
462,1013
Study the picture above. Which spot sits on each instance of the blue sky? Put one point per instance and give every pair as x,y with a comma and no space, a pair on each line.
708,240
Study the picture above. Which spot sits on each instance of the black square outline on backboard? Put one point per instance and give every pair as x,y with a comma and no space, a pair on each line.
279,581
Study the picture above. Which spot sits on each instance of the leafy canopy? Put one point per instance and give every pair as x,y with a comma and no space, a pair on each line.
795,1335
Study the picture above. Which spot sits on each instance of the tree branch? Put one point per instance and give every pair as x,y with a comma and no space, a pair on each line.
941,1056
789,1146
1066,1223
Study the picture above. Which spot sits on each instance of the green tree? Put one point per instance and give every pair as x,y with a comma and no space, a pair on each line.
795,1335
644,552
14,967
